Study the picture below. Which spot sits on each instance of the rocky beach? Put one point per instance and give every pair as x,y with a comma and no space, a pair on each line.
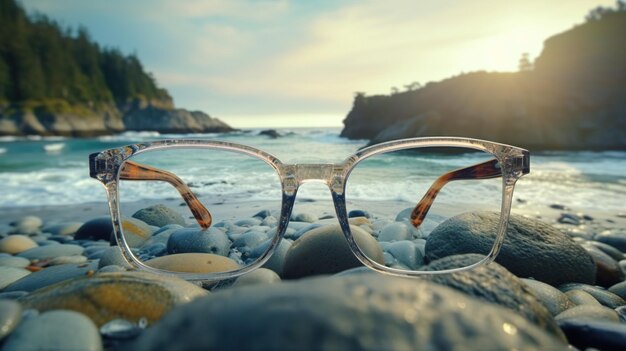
559,280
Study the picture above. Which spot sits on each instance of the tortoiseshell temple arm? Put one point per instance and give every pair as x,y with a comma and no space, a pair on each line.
136,171
485,170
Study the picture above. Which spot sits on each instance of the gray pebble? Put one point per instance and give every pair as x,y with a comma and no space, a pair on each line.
51,275
14,261
580,297
407,253
554,300
67,260
304,217
55,330
159,215
595,312
187,240
113,256
258,276
395,232
51,251
28,225
605,297
10,317
9,275
111,268
63,229
277,260
301,231
12,295
248,222
120,329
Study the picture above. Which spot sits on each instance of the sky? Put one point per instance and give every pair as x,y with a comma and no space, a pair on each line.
279,63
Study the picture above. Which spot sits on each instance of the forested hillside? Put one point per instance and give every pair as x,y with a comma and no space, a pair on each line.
56,80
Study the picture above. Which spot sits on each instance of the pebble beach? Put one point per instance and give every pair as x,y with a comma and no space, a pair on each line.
558,283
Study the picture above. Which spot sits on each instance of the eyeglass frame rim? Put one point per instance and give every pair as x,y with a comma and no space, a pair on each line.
106,165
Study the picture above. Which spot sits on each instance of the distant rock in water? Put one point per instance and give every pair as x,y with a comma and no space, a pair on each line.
574,98
172,120
272,133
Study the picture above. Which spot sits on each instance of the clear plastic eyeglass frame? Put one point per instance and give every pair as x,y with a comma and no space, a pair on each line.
112,165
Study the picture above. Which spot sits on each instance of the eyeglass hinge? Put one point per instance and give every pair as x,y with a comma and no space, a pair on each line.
97,166
521,163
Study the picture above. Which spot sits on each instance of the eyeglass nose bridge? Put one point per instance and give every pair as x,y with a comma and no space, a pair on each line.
295,175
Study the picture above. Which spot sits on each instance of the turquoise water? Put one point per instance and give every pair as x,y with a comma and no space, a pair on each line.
49,171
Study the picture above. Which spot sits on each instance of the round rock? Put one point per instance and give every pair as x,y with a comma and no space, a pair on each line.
27,225
594,312
10,316
63,229
325,250
494,284
52,275
257,276
188,240
531,248
608,271
605,297
368,312
193,263
159,215
14,244
96,229
554,300
55,330
107,296
51,251
9,275
14,261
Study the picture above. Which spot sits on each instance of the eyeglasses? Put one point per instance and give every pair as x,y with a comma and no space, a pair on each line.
211,210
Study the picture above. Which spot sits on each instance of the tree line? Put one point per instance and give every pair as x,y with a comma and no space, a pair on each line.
40,60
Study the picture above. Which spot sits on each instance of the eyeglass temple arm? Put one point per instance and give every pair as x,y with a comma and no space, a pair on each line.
136,171
485,170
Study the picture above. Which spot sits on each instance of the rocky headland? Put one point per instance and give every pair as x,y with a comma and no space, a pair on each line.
139,115
572,97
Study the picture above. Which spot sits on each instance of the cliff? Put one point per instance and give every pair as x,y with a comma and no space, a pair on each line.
57,81
574,98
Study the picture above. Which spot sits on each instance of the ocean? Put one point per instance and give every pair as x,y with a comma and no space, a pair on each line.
43,171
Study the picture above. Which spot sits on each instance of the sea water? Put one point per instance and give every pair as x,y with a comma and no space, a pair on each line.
40,171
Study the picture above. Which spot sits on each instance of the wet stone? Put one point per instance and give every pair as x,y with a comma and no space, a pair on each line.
67,260
359,213
554,300
304,217
608,249
63,229
605,297
615,239
14,244
619,289
580,297
594,312
14,261
592,334
301,231
395,232
494,284
188,240
608,271
52,275
107,296
51,251
248,222
343,313
325,250
55,330
406,253
159,215
28,225
277,260
120,329
113,256
258,276
531,248
9,275
96,229
10,316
